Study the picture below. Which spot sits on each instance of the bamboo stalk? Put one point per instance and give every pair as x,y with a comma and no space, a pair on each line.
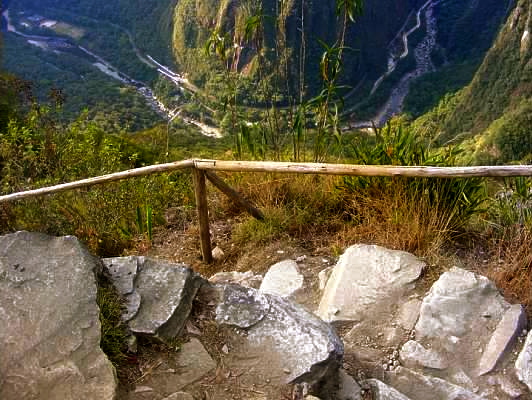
364,170
117,176
200,190
234,195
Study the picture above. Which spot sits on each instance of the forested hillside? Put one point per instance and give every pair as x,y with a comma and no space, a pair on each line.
493,114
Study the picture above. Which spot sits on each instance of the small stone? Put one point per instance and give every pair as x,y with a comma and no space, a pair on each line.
225,349
143,389
218,254
282,279
300,259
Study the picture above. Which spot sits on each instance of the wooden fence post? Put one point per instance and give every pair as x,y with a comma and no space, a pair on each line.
200,190
234,195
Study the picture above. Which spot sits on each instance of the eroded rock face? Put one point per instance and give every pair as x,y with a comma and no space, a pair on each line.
367,279
50,329
166,293
458,303
292,342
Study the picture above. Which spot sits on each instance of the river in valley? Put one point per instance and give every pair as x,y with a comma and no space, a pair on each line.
58,44
422,55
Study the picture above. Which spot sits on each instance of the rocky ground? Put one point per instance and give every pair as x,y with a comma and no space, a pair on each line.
370,325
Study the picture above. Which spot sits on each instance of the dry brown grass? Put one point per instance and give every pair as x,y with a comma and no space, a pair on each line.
510,265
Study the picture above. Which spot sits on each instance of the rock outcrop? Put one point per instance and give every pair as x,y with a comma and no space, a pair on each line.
50,330
367,280
161,292
460,340
290,338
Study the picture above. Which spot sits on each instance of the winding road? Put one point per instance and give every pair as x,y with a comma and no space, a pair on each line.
422,53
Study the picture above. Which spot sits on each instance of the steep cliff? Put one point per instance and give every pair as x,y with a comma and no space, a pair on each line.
288,25
493,114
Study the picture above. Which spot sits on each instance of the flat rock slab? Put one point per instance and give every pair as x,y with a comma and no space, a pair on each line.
50,328
290,343
423,387
523,365
413,354
382,391
166,293
169,377
505,335
367,279
282,279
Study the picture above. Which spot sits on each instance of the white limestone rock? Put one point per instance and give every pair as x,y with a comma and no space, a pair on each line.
413,354
423,387
523,364
459,303
366,279
408,314
282,279
508,329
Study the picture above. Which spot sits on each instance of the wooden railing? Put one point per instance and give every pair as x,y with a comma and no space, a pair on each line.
204,170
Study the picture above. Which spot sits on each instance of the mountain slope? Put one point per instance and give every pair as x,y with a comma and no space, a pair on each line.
492,115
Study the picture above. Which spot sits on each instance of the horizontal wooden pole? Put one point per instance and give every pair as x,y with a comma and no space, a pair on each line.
364,170
234,195
286,167
117,176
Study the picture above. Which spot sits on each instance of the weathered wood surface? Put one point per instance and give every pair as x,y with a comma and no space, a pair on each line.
117,176
200,190
286,167
364,170
234,195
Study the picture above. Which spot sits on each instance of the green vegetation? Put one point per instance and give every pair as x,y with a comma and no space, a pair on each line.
114,331
117,107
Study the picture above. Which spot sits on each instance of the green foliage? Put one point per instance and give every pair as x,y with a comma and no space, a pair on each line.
512,205
113,330
36,150
454,200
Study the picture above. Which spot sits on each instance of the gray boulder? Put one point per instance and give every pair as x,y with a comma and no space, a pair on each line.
368,280
50,328
460,303
523,365
294,346
166,293
163,294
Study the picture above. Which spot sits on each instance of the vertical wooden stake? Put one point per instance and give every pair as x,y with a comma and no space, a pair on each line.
203,214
